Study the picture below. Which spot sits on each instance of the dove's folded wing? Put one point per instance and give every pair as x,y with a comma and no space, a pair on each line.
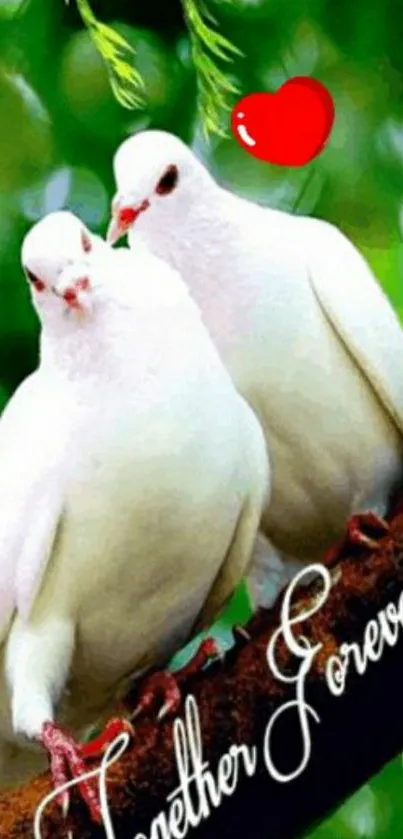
361,315
32,470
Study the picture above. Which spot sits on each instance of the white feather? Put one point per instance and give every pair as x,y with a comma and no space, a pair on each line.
31,486
360,313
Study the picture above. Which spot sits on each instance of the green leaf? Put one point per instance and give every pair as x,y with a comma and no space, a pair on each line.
208,46
214,84
127,83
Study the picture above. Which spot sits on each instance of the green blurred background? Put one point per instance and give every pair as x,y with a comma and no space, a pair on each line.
59,126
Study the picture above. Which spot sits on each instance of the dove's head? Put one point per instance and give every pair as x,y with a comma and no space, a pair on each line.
158,179
55,258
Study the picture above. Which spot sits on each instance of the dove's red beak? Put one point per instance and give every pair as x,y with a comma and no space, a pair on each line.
122,219
77,295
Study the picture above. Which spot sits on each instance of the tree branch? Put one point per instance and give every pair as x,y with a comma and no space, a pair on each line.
358,731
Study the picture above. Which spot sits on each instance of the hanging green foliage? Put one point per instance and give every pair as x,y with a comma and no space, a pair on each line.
126,81
208,45
209,50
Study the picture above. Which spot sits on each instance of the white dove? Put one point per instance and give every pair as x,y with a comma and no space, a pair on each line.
132,481
308,335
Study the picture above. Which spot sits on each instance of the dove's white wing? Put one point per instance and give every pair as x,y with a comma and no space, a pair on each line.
32,460
360,313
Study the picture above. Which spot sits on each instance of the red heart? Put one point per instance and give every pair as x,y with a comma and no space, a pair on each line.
289,127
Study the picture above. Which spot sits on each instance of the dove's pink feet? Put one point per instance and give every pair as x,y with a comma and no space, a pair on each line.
363,530
68,760
165,687
67,763
375,526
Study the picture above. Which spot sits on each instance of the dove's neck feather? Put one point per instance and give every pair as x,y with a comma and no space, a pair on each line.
127,347
203,241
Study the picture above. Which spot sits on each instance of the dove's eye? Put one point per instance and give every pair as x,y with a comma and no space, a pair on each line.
169,181
30,276
36,281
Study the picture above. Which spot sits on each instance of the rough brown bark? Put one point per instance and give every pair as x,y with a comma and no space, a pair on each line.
357,734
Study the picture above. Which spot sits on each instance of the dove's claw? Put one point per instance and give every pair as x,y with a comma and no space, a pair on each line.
162,684
208,651
363,530
169,707
241,636
67,763
167,685
97,747
360,528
